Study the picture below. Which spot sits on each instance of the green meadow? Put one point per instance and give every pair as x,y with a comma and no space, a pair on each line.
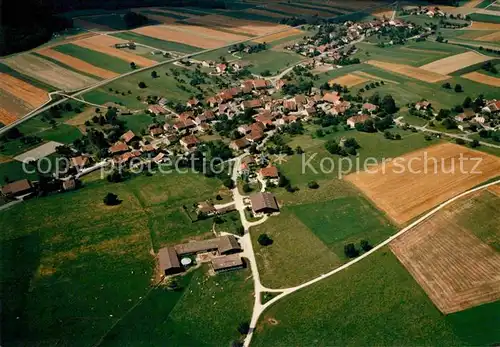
71,267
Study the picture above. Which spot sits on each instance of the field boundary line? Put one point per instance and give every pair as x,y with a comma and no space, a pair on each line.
290,290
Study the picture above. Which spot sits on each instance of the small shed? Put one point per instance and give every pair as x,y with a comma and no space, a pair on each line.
169,262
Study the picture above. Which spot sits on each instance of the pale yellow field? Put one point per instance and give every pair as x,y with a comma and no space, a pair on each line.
239,26
455,62
484,26
348,80
279,36
493,37
373,77
410,71
482,78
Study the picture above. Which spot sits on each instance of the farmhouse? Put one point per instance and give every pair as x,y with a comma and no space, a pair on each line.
17,188
352,121
239,144
227,263
492,106
250,104
128,136
155,131
264,202
422,105
223,245
192,102
169,262
370,107
268,172
221,68
189,141
332,98
156,110
118,147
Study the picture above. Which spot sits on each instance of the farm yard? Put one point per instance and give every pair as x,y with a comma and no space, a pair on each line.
104,238
438,176
454,267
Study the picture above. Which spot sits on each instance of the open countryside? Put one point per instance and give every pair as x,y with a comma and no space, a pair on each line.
250,173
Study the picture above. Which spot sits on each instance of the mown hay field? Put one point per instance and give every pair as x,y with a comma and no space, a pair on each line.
409,71
48,72
455,62
105,44
414,183
348,80
77,64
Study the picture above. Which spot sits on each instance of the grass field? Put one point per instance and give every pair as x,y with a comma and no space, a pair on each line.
479,17
270,60
137,122
344,220
63,237
205,313
95,58
156,43
375,302
372,145
296,254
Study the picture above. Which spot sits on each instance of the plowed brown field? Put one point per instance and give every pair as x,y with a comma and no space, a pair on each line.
48,72
31,95
482,78
240,26
77,64
410,185
409,71
105,44
456,269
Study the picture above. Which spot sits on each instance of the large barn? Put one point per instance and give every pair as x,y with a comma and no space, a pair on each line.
264,202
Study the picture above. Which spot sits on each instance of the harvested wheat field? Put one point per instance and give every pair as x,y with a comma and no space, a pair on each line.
472,3
454,267
482,78
484,26
29,94
383,13
418,50
265,13
373,77
163,33
240,26
495,189
77,64
493,37
208,33
48,72
410,71
7,117
279,36
348,80
416,182
298,10
455,62
105,44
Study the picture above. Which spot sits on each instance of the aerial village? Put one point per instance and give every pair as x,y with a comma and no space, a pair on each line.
249,113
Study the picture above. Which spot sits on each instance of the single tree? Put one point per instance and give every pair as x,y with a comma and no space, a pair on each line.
458,88
243,328
365,246
133,66
350,250
111,199
313,185
264,240
142,85
154,74
246,188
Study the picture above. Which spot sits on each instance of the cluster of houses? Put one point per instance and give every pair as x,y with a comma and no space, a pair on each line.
431,12
350,32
